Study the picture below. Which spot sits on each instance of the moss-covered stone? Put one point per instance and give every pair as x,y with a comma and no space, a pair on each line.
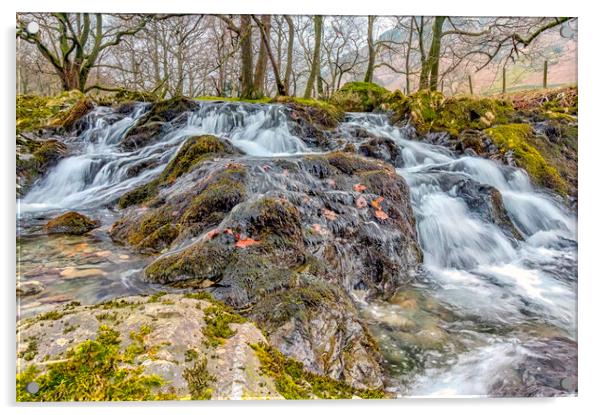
92,371
34,112
316,112
360,97
72,223
68,118
431,111
516,138
195,150
294,382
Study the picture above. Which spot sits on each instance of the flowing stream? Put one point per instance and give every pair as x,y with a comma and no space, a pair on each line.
456,330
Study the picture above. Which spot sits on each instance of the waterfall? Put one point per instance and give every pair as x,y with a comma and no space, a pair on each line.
481,273
100,171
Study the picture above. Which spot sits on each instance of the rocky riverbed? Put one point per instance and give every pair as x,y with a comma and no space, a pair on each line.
235,250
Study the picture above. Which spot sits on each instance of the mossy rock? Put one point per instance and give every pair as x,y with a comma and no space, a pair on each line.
35,112
71,223
316,112
67,119
432,111
194,151
294,382
360,97
124,96
149,126
517,138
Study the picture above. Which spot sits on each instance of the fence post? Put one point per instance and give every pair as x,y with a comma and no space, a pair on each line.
470,83
545,74
504,80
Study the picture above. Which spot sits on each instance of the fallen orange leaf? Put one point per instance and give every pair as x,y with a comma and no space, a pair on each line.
380,214
243,243
376,203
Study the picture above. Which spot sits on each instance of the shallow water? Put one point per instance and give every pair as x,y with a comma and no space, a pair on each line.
456,330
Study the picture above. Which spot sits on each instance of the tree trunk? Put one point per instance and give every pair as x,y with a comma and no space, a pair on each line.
371,50
289,54
424,68
262,58
70,78
246,57
408,55
315,63
434,52
265,41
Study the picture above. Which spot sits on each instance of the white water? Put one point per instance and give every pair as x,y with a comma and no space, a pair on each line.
477,270
472,267
99,171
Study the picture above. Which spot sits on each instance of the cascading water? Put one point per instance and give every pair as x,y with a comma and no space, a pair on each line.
484,292
100,171
476,270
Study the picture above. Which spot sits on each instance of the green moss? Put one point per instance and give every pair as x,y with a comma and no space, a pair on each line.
35,112
51,315
516,137
139,194
125,95
292,381
31,351
316,112
222,193
217,324
350,163
91,371
360,96
194,151
68,118
431,111
71,223
199,380
191,355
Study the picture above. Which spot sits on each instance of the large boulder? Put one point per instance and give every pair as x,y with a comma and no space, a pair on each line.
287,241
160,347
360,97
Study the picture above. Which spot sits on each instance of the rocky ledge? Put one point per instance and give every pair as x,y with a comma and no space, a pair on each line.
159,347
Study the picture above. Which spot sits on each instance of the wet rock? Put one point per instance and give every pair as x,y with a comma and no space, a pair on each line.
26,288
149,126
35,156
279,229
71,223
383,149
548,369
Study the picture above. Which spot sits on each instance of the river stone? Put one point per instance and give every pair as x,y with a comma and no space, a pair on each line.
25,288
176,326
71,223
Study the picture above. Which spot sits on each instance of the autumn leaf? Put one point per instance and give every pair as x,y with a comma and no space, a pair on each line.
376,202
361,202
245,242
329,214
331,182
359,187
380,214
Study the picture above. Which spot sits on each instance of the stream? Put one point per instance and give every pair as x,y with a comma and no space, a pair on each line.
485,300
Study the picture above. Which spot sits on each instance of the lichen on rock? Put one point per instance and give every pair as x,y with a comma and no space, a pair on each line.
71,223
